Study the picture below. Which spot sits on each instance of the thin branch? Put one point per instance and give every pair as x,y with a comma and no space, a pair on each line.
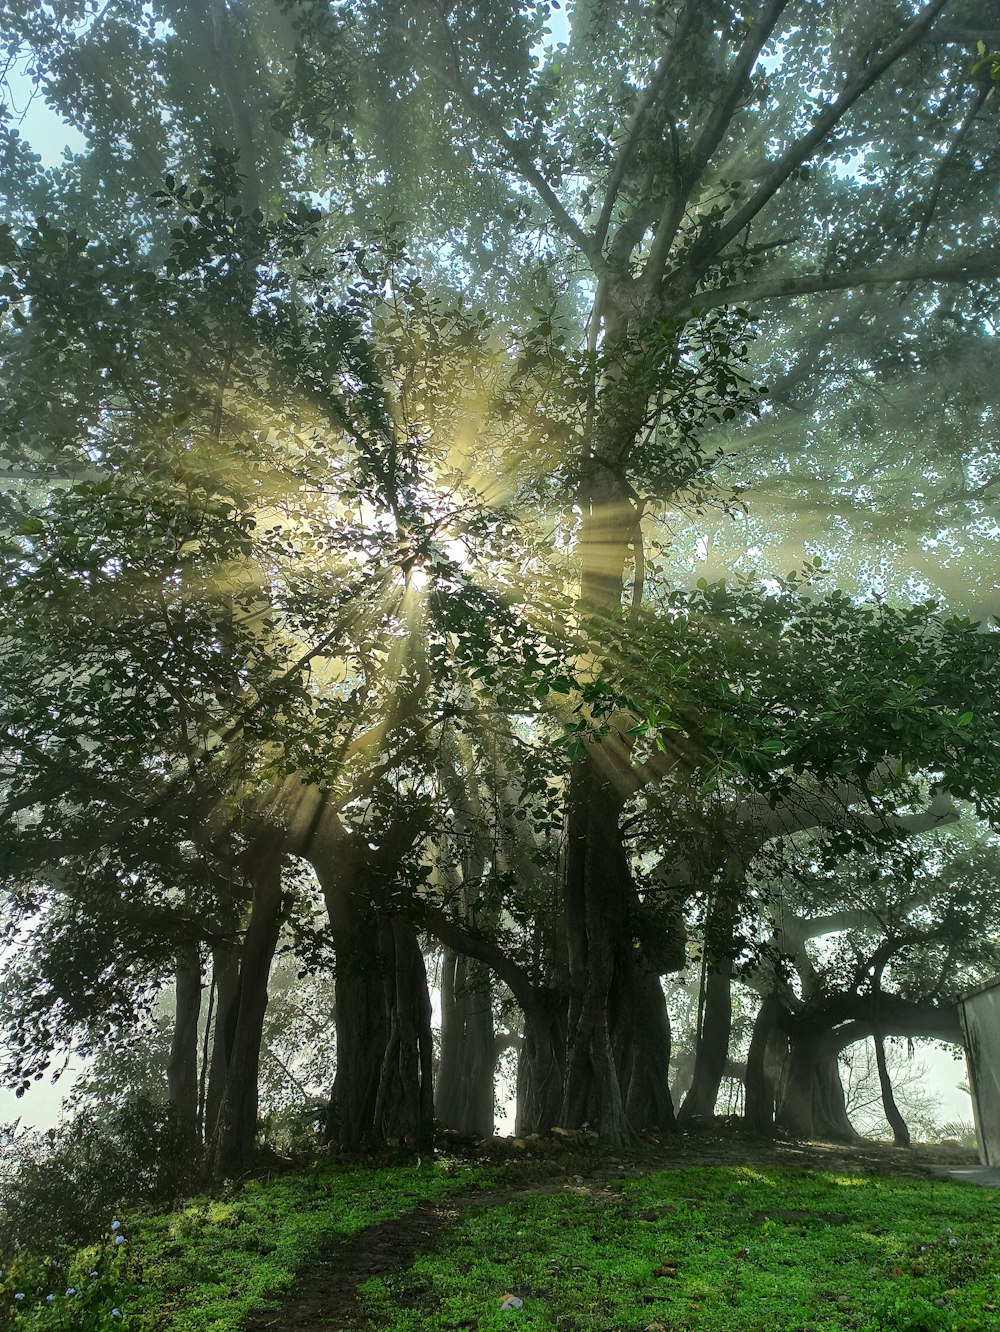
712,134
716,241
947,159
966,268
521,157
643,107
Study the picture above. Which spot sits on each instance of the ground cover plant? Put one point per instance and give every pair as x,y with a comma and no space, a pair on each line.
716,1248
585,1243
205,1264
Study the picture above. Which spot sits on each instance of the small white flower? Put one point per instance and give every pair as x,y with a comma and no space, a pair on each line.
93,1274
116,1225
49,1299
116,1313
119,1239
71,1290
953,1241
19,1295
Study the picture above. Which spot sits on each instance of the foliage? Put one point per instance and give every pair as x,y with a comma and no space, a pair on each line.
65,1186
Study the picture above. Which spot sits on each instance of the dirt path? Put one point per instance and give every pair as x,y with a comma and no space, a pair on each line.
326,1297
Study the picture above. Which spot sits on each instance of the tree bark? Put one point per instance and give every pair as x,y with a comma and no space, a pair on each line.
404,1106
540,1064
383,1086
640,1032
812,1103
595,902
182,1062
236,1124
900,1132
464,1094
763,1066
712,1047
226,979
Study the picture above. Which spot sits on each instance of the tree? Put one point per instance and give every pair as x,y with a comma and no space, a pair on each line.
548,355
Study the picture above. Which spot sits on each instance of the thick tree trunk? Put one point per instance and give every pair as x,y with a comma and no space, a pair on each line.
182,1062
404,1105
383,1087
812,1103
236,1125
598,887
712,1047
763,1067
362,1030
540,1064
640,1033
596,899
464,1093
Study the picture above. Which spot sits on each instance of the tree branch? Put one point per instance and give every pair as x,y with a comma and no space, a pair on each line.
521,157
711,135
716,241
965,268
946,160
462,940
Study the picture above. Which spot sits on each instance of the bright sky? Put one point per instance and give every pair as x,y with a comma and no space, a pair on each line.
48,134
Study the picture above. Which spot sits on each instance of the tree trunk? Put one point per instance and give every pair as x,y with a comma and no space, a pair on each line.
383,1087
404,1105
362,1031
595,902
226,980
812,1103
641,1037
900,1132
540,1064
464,1094
712,1047
236,1124
763,1065
182,1063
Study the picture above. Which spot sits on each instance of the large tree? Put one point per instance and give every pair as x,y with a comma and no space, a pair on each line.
573,293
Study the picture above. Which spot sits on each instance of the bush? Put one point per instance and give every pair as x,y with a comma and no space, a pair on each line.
67,1184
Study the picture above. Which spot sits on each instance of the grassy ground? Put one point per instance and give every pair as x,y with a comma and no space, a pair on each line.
207,1264
733,1248
720,1248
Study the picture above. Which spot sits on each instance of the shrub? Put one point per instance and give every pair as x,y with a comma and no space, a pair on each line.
68,1183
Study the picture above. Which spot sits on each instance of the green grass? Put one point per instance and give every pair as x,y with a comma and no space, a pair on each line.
205,1265
590,1263
727,1249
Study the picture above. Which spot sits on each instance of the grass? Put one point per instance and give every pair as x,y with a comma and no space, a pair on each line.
732,1249
207,1264
725,1249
